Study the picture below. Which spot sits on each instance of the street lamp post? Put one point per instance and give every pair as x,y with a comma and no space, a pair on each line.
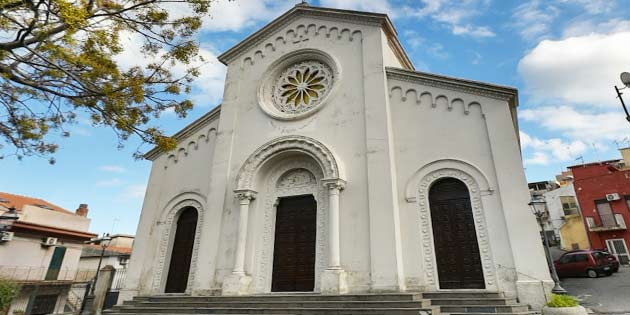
104,243
539,206
7,219
625,79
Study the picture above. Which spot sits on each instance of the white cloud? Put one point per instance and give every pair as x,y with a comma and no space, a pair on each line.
112,169
588,126
134,191
593,6
577,70
546,149
109,182
581,27
455,15
233,16
533,19
378,6
539,158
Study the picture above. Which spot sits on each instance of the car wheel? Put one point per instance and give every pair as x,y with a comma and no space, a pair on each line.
592,273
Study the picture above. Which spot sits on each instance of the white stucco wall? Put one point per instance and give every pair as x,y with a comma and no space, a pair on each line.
48,217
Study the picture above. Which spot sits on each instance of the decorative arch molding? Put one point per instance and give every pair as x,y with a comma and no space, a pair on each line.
298,34
187,147
468,168
276,189
421,97
311,147
167,225
426,228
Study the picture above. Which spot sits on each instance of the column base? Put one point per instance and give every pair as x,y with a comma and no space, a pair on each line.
334,282
535,293
236,284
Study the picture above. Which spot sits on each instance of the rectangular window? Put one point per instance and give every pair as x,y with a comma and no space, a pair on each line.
606,217
619,220
569,205
628,202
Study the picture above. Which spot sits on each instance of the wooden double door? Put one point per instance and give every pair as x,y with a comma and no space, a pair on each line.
294,245
454,236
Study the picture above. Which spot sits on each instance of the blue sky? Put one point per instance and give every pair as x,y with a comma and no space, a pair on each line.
564,56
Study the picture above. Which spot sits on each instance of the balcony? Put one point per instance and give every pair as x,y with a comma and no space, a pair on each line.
43,275
607,222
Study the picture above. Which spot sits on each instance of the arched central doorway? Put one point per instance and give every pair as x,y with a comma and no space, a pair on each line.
294,245
181,255
455,239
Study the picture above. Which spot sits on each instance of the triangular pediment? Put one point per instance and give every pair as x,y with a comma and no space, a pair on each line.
303,10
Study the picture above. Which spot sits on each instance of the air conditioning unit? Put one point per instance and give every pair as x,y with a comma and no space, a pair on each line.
612,197
6,236
49,241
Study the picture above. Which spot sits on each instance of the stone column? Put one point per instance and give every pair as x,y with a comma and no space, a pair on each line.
238,282
334,277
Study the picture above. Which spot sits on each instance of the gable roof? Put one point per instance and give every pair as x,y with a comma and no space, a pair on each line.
18,201
377,19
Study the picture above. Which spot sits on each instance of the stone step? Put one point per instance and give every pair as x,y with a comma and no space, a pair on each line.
286,297
516,308
515,313
473,301
290,304
461,294
276,311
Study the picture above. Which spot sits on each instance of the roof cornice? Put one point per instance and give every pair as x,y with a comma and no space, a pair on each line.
366,18
494,91
188,130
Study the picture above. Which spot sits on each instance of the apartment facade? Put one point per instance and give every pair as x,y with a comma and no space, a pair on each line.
603,191
42,253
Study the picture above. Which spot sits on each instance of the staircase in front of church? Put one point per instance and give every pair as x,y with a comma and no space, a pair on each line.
435,303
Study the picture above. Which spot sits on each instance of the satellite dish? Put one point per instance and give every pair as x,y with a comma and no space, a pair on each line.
625,78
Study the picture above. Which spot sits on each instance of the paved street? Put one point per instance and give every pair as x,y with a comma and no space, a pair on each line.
605,295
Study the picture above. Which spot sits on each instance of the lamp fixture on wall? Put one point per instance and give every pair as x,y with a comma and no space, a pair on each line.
625,79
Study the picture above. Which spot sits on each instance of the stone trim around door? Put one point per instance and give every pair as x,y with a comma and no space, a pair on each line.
277,187
167,225
426,228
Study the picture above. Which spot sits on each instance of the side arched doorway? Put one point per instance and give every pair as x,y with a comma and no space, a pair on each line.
455,239
181,254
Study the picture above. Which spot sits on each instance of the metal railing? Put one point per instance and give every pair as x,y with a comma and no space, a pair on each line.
30,274
607,222
119,279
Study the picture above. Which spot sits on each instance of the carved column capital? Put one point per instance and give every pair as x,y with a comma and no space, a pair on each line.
334,184
245,196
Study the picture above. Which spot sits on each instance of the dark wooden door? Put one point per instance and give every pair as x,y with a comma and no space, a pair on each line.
294,245
181,254
456,247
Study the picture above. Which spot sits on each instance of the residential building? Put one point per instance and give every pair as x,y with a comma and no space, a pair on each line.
539,189
334,167
603,191
565,217
42,251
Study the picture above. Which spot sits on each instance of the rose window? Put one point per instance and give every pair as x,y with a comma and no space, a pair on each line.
302,87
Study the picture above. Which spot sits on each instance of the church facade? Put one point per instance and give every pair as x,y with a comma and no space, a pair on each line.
333,167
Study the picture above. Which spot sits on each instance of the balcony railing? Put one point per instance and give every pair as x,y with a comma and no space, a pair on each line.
43,274
607,222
